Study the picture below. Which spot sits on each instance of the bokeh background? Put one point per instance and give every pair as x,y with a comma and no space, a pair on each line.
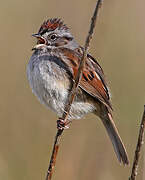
27,128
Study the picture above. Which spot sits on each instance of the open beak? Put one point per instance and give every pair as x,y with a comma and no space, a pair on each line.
40,41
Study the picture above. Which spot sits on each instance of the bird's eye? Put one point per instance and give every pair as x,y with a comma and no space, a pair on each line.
53,37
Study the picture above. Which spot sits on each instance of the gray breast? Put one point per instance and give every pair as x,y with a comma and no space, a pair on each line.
49,81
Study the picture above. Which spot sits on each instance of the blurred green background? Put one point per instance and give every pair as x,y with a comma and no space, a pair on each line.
27,128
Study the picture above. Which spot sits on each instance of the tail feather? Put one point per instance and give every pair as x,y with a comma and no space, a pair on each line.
114,136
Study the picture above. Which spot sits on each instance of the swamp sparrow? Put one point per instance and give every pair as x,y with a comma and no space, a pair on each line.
51,72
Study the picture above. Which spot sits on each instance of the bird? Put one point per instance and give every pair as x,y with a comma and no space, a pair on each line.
51,72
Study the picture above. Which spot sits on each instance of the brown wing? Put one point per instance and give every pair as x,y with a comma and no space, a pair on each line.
93,80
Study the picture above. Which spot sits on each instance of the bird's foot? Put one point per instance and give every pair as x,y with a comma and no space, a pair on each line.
61,124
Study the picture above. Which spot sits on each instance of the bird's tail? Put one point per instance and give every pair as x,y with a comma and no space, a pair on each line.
112,131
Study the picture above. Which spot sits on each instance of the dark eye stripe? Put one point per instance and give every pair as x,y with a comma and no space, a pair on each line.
68,38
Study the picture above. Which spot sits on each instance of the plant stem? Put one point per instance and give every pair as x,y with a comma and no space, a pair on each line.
72,92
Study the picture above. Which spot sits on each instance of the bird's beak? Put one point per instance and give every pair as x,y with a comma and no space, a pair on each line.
36,35
41,41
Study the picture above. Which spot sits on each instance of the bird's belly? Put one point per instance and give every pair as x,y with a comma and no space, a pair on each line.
52,91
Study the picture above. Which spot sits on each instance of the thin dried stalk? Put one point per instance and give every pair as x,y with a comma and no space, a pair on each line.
138,148
143,177
73,92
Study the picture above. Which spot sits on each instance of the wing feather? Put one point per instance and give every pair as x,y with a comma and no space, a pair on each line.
93,80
